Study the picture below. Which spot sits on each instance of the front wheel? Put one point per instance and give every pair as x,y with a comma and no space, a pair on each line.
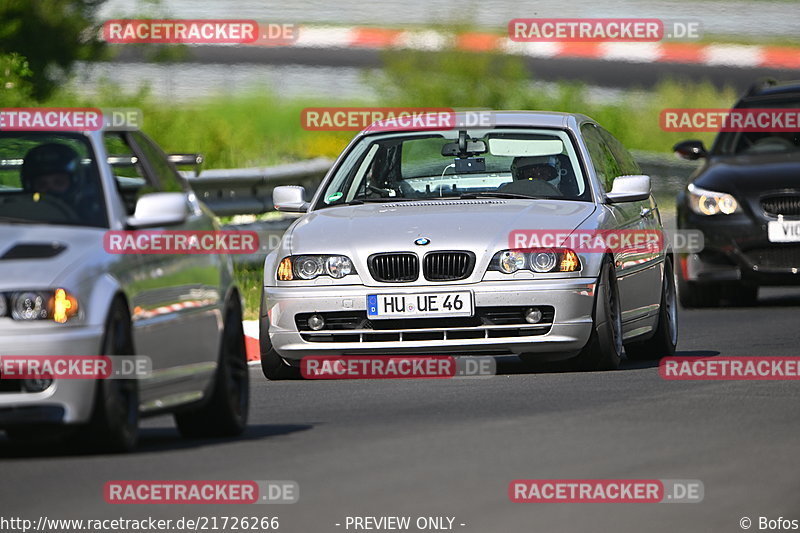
603,351
114,425
665,338
225,412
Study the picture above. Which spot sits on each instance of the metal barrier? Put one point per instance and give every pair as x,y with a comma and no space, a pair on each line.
248,191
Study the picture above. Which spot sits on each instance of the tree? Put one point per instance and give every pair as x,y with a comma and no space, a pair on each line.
51,35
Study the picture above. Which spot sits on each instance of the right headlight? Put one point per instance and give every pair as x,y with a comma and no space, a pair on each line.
306,267
704,202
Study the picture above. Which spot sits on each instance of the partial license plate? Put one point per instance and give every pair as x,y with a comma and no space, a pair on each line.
784,231
419,305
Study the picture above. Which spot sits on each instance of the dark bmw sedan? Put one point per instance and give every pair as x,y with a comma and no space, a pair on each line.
745,198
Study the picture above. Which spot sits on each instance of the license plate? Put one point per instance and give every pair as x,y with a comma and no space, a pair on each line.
419,305
784,231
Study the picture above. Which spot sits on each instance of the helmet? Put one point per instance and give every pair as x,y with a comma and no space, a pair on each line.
48,159
523,167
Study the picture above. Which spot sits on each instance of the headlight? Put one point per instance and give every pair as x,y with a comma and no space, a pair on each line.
543,261
510,261
57,305
312,266
705,202
550,260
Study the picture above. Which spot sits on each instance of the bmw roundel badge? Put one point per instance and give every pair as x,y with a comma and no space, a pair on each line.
422,241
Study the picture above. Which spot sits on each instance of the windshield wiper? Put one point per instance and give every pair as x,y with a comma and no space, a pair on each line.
472,195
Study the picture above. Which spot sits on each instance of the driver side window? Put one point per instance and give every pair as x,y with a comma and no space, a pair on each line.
605,165
129,174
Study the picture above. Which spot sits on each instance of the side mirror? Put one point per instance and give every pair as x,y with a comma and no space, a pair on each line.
690,150
289,199
159,209
629,189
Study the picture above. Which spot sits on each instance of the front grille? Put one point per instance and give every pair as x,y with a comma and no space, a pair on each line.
394,267
786,205
778,256
447,266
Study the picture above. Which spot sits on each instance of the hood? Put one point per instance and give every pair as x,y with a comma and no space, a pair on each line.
751,175
36,256
481,225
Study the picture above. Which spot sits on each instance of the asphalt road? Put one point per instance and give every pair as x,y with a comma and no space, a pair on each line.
451,447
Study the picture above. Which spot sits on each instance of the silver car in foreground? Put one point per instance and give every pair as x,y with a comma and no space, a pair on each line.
405,249
60,193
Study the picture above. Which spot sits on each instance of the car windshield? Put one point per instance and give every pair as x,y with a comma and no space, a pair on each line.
514,163
760,142
49,178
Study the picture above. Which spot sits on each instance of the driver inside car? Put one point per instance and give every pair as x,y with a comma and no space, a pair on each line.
53,170
532,176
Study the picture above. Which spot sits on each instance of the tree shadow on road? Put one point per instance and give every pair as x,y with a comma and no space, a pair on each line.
151,440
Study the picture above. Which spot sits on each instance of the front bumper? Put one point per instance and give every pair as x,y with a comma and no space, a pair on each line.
572,300
737,249
66,401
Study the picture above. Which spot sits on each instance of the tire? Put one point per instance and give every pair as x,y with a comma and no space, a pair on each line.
114,424
693,295
603,351
665,338
225,413
273,366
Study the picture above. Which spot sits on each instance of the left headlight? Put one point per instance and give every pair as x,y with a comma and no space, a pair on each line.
704,202
57,305
541,261
307,267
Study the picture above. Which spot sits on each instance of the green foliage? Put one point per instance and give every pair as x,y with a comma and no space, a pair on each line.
51,35
15,76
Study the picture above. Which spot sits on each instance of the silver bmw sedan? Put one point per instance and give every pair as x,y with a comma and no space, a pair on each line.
516,237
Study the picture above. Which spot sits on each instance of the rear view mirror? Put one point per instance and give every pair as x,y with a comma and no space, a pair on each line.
690,150
629,189
472,148
525,147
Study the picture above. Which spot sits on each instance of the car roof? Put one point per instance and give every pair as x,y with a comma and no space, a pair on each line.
769,89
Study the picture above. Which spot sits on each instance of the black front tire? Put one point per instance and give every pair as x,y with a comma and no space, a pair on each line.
226,411
603,351
272,365
114,425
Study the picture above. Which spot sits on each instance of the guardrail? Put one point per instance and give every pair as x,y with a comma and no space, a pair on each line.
248,191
